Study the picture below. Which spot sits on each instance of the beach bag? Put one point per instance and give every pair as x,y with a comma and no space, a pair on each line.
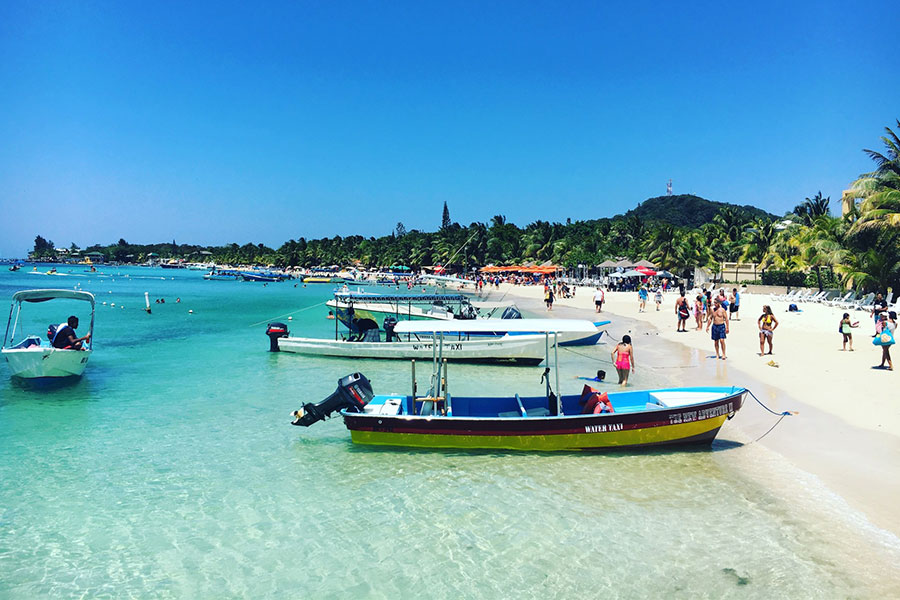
885,338
845,328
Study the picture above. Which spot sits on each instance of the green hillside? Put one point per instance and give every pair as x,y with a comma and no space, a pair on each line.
687,210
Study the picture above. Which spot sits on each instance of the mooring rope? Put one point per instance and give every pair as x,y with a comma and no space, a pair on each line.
299,310
780,415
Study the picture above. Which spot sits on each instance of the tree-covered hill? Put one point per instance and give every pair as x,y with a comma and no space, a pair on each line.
687,210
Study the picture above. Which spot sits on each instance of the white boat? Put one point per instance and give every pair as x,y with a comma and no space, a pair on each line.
352,307
473,340
29,356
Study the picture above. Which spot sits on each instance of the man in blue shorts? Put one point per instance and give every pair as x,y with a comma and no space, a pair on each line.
718,319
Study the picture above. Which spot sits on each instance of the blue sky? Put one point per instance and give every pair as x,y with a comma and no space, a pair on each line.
217,122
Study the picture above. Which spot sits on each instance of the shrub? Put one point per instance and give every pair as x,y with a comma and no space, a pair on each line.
784,278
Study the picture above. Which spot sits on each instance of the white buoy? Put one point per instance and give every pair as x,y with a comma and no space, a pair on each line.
104,304
112,304
290,318
190,312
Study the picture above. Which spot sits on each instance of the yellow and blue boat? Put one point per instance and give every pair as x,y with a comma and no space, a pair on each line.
587,421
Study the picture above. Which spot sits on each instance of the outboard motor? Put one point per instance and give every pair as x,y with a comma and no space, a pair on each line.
353,393
275,331
511,312
389,324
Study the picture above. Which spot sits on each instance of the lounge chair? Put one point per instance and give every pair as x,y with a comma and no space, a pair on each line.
839,302
865,303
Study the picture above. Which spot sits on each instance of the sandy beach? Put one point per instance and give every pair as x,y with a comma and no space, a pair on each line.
847,430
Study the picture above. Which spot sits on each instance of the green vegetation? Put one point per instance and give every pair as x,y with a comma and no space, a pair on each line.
860,249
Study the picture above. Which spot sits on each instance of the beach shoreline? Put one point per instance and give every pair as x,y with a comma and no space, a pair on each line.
854,453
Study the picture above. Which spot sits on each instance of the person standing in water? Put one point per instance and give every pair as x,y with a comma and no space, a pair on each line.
767,324
623,358
718,319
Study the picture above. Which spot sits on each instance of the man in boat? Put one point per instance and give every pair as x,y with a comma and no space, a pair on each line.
65,337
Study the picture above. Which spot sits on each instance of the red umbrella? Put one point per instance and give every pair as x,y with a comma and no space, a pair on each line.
646,271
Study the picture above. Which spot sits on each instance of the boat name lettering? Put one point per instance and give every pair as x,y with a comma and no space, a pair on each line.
603,428
447,346
702,414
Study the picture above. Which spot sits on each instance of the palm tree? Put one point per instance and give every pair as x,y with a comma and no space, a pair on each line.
812,208
880,189
758,242
662,246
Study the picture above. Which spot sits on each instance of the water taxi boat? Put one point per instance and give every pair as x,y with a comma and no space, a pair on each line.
586,421
472,341
30,357
352,307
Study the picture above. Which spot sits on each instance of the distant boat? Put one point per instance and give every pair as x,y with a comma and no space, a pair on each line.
222,275
29,357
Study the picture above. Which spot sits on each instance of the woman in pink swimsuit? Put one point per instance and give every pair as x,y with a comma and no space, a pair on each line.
623,357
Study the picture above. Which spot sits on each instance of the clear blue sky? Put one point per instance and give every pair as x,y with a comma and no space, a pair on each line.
217,122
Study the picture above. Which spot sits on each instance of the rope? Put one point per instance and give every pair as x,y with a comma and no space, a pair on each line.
780,416
288,314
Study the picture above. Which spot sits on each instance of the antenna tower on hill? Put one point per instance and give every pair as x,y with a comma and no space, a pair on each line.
669,188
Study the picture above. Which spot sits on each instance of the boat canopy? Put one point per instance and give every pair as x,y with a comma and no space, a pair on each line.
489,325
371,297
44,295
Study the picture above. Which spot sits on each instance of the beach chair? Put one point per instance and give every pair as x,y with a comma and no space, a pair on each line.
840,302
785,297
811,296
802,296
866,303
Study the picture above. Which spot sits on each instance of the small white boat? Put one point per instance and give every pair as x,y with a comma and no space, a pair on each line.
473,340
29,356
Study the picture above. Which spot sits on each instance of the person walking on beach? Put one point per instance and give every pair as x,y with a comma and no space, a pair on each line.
767,324
718,319
599,297
885,338
548,296
878,307
698,311
683,312
845,329
623,358
735,304
642,298
658,298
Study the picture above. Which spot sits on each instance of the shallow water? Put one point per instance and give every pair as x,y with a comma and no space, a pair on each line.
171,470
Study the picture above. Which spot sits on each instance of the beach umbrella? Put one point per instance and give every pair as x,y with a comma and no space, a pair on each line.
646,271
616,275
665,274
633,273
645,263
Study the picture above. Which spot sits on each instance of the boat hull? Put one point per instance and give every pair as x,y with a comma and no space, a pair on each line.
38,363
525,349
689,424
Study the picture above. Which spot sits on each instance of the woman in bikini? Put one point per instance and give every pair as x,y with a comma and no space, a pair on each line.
767,324
698,312
623,357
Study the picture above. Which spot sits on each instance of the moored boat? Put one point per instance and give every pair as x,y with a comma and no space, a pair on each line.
586,421
474,341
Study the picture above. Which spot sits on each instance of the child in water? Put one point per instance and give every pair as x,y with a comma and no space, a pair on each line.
844,328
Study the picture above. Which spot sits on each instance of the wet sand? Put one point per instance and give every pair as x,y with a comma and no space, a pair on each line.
855,456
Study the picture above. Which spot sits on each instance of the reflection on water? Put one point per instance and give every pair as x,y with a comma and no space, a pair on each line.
171,470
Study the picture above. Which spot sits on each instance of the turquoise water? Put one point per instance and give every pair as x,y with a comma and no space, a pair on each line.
170,470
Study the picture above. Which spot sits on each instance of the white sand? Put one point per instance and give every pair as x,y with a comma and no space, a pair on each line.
848,429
